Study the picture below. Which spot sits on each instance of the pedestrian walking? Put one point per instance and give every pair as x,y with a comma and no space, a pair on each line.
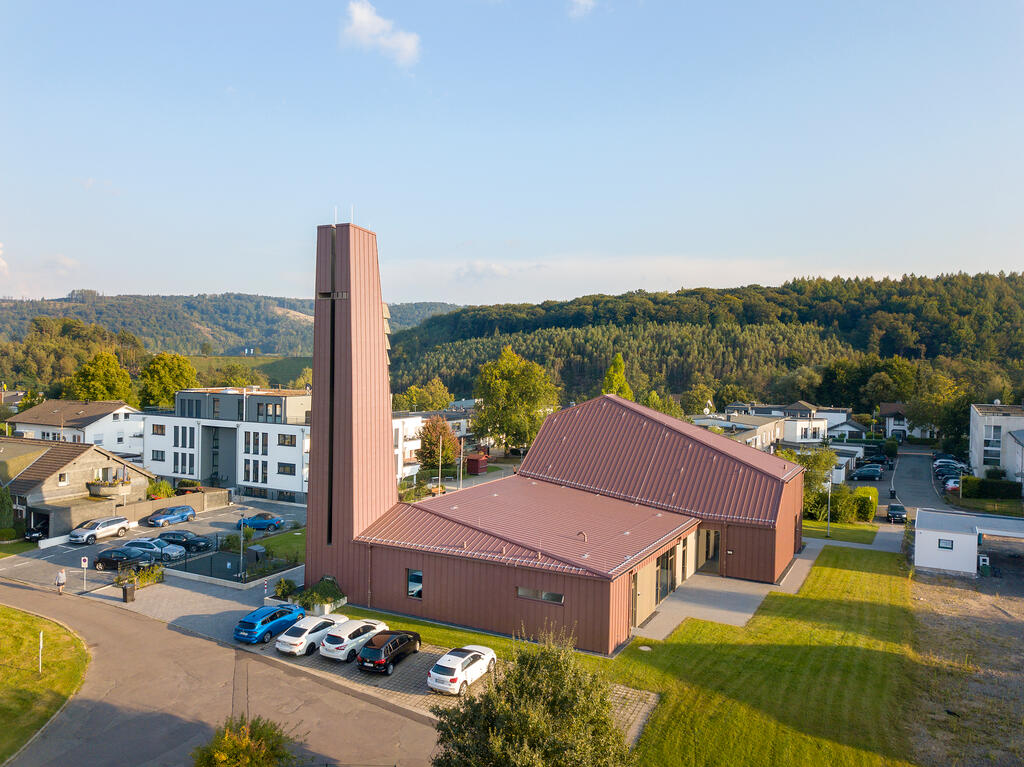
60,580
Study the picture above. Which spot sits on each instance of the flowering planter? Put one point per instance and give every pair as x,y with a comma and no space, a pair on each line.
100,490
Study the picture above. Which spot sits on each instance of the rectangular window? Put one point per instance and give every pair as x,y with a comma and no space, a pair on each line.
176,463
286,440
191,408
97,439
543,596
191,463
266,442
116,416
216,407
158,455
159,429
277,413
287,469
126,415
946,543
241,409
176,443
414,583
245,470
120,437
260,412
62,479
191,436
263,466
181,407
246,448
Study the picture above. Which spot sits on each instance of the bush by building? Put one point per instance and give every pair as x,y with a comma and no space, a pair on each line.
892,447
995,472
7,534
975,487
865,500
160,488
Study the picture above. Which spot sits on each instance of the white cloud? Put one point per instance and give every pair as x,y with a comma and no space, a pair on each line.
4,269
480,270
366,28
580,8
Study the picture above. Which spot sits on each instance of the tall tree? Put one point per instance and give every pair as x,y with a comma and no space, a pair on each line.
615,379
818,464
31,399
696,398
434,433
433,396
663,404
304,378
100,378
235,374
546,710
517,395
164,375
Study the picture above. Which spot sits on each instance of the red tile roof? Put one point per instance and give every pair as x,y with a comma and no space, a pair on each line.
532,523
619,449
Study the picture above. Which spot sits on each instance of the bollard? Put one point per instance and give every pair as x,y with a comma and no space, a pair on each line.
264,587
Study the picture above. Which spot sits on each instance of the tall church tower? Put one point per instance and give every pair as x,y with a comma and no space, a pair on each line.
351,463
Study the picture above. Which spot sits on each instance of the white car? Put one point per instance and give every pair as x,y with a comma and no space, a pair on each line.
160,549
304,637
345,641
457,669
953,484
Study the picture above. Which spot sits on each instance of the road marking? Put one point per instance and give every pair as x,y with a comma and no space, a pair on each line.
47,557
21,564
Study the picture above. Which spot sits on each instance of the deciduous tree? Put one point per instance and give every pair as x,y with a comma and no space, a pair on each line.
696,398
818,465
517,395
162,376
433,396
434,433
615,379
101,378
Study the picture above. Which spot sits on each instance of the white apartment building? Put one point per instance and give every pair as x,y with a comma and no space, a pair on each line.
997,440
406,429
113,425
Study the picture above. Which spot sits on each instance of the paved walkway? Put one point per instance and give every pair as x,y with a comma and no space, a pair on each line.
152,693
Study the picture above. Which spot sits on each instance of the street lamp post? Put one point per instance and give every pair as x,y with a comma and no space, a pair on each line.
828,522
241,546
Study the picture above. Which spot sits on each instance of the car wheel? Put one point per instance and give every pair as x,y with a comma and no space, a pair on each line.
490,665
165,523
166,557
122,532
311,649
266,637
389,669
92,539
271,528
191,517
351,656
100,566
416,647
462,689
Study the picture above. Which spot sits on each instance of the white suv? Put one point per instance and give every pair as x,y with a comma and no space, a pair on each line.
345,641
104,527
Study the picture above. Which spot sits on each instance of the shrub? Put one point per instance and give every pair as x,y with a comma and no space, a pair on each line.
160,488
865,503
892,448
248,532
842,505
256,742
295,525
188,483
144,576
229,542
324,592
974,487
19,528
284,588
7,534
995,472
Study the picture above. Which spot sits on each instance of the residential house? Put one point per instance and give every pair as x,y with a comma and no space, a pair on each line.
997,439
894,417
111,424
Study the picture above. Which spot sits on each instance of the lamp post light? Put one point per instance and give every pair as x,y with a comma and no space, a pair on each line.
241,547
828,522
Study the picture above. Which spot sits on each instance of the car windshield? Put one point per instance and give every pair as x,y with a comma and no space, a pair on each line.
295,631
246,625
89,525
443,670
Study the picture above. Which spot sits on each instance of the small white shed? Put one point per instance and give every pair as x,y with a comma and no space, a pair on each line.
948,541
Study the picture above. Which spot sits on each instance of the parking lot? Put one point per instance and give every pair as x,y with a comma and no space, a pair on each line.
40,566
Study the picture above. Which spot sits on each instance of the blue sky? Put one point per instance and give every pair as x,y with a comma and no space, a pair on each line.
507,151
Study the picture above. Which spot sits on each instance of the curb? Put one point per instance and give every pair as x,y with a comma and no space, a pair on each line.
70,697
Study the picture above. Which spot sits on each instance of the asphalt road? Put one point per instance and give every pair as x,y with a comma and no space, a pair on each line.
40,566
152,693
915,486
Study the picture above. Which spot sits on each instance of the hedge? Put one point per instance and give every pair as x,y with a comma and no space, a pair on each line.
865,501
892,448
7,534
974,487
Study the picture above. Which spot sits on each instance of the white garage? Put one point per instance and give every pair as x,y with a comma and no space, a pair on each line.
948,541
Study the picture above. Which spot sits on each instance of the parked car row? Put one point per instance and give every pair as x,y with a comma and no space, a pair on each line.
369,643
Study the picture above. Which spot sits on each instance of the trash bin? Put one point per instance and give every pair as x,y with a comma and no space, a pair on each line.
892,492
128,592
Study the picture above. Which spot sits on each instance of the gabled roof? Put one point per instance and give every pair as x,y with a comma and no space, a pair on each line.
531,523
48,457
849,422
800,405
620,449
892,408
71,413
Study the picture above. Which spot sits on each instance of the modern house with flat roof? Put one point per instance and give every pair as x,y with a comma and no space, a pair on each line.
997,440
613,507
111,424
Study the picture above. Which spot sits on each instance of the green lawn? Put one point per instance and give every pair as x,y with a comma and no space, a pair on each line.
27,700
851,532
8,549
1010,507
813,679
288,542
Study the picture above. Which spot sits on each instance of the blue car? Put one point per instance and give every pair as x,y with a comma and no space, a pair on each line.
262,521
266,622
172,515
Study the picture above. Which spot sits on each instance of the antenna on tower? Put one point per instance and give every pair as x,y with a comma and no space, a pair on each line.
335,215
352,214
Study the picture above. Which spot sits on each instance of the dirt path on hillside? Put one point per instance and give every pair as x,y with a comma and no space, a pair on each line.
971,672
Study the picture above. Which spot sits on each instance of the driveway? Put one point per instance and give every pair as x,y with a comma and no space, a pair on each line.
153,692
915,487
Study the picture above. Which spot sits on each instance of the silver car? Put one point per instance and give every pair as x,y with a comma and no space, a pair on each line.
158,547
104,527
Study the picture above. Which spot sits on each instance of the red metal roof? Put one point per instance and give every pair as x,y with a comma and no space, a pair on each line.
617,448
531,523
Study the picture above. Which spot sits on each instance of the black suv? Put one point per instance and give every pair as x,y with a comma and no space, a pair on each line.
187,540
123,558
897,513
385,649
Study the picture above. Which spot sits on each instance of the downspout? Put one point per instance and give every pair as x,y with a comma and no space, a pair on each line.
369,578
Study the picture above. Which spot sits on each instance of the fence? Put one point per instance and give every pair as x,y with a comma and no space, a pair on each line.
224,561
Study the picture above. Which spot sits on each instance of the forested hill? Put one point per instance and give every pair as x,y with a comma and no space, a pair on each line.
227,322
749,336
